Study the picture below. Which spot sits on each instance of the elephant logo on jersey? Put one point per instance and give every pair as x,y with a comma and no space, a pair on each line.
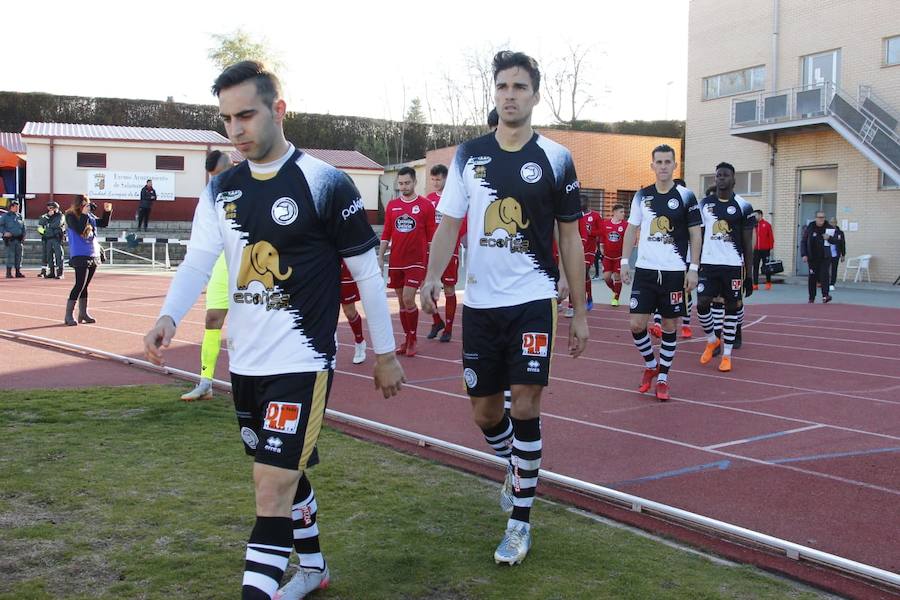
660,225
260,262
660,230
505,214
721,230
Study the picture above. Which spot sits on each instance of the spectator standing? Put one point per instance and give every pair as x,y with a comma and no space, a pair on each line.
52,228
838,251
12,228
815,248
84,250
148,197
762,249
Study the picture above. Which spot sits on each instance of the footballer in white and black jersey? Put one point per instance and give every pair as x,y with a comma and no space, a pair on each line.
284,220
665,223
664,219
725,263
514,187
511,200
726,222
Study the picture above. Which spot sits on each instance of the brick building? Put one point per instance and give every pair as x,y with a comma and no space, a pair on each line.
803,97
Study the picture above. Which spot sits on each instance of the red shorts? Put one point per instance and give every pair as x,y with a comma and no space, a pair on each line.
612,265
589,258
451,273
405,277
349,292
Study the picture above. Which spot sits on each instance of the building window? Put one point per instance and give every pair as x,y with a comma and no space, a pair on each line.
886,183
892,50
170,163
821,68
746,183
735,82
91,160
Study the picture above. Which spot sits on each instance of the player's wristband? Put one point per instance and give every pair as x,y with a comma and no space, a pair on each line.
694,268
624,262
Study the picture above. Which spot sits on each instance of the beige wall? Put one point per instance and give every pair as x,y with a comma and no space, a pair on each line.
122,156
389,180
727,35
367,183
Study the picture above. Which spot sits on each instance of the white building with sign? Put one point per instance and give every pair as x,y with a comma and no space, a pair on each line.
112,164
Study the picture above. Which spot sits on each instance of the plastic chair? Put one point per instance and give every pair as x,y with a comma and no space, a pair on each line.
860,263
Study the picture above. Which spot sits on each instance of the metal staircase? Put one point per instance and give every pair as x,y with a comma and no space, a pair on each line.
866,122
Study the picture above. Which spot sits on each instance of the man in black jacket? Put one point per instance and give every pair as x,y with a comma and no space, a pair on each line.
838,250
52,227
148,196
815,248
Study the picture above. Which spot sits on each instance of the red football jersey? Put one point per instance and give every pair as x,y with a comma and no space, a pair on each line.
434,198
408,226
589,226
612,236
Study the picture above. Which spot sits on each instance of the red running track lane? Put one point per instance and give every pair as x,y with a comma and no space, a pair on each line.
801,441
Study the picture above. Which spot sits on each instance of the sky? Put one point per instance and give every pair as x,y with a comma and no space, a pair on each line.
352,58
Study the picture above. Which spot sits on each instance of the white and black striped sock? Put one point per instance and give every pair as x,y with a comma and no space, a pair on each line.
718,313
731,320
642,343
706,321
526,461
686,318
666,354
306,529
268,552
500,437
507,401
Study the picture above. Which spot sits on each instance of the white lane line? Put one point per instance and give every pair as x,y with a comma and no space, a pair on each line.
759,438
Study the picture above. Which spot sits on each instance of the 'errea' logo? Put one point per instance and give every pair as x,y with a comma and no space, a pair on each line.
353,209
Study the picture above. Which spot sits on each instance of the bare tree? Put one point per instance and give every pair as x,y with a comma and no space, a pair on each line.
480,86
565,87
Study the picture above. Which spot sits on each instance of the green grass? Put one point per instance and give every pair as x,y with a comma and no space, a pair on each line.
129,493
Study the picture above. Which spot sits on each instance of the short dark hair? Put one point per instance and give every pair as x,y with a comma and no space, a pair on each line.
758,211
493,118
149,180
662,148
407,171
506,59
725,165
679,181
710,190
617,207
439,170
212,159
267,84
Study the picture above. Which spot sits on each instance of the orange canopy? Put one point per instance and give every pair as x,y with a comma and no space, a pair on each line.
8,160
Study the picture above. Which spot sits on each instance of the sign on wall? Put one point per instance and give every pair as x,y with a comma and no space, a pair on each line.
126,185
